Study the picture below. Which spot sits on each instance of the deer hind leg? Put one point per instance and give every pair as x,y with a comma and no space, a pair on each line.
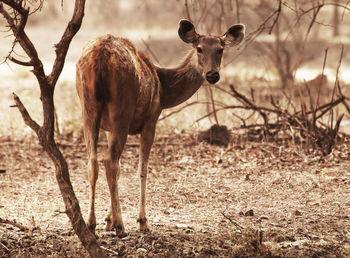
116,141
146,141
91,130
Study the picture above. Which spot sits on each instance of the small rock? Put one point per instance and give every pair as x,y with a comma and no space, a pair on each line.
216,135
249,213
315,238
280,239
290,238
218,160
126,238
180,225
141,250
169,211
297,213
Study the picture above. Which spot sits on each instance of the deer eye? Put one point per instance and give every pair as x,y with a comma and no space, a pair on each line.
199,50
220,51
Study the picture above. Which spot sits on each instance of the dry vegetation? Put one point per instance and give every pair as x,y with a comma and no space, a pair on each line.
203,200
256,196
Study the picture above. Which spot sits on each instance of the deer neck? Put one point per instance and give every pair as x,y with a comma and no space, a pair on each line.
180,83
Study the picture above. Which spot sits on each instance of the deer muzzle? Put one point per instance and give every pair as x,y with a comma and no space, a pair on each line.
212,77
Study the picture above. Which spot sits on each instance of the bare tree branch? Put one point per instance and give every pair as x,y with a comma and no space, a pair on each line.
278,12
61,48
25,115
150,51
21,36
19,62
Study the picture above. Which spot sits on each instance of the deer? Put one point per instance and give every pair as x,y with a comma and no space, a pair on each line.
123,93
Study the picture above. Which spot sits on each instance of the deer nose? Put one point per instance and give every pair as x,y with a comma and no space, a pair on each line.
212,77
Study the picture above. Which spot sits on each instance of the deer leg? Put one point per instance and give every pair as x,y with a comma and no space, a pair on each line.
146,141
93,175
116,144
91,131
109,214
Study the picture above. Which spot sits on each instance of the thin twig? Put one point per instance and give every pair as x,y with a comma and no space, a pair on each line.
237,12
322,76
231,220
25,115
15,224
148,48
5,247
278,12
109,250
213,105
187,11
182,108
24,63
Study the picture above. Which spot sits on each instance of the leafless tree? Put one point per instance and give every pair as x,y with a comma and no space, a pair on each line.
16,13
291,34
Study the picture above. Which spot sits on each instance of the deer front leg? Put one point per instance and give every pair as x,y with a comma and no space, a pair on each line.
146,141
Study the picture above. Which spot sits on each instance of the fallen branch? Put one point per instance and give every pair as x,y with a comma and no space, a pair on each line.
110,251
232,221
15,224
302,125
5,247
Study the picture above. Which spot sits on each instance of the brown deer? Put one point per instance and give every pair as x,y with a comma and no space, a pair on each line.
122,92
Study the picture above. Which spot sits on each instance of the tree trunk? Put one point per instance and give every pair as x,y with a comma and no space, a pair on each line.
63,179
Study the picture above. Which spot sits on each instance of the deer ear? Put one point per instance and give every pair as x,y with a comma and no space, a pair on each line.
187,32
234,35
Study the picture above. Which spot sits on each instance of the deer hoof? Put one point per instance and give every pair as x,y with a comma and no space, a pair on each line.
143,225
119,229
92,228
120,232
109,226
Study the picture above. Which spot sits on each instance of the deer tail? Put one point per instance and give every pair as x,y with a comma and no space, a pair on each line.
102,93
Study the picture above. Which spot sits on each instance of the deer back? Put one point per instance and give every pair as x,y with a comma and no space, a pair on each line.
112,71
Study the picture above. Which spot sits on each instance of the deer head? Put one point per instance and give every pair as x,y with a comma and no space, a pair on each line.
209,49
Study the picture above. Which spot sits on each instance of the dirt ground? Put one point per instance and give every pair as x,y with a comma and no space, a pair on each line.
244,200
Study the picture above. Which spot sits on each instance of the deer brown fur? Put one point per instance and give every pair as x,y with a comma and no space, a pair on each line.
123,93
